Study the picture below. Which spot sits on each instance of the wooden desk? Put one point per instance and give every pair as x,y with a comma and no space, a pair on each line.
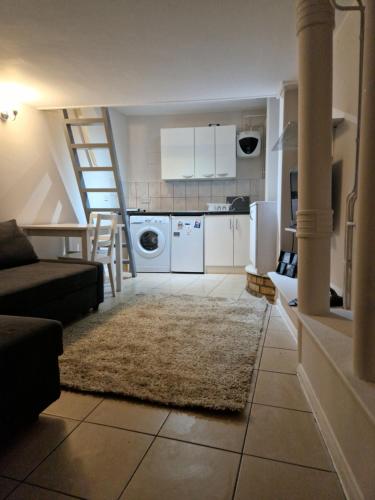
82,231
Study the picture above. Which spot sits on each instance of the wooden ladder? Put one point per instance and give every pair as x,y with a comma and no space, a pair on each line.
75,127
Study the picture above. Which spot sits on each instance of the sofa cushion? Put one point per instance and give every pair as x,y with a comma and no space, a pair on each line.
15,248
25,287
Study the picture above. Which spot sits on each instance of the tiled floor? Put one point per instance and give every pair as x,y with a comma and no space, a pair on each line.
89,447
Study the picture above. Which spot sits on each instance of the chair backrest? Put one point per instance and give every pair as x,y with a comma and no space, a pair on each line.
105,222
105,230
93,217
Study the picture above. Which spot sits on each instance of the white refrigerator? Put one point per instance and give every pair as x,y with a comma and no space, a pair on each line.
263,235
187,252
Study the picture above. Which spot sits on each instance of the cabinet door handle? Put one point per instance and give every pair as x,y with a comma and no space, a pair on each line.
237,224
222,175
187,176
230,223
208,175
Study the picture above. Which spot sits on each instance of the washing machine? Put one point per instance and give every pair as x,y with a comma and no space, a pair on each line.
151,243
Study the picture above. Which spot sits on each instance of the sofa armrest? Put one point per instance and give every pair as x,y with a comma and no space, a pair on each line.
29,369
21,332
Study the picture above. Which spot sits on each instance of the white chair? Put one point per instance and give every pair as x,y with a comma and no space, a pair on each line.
104,242
76,254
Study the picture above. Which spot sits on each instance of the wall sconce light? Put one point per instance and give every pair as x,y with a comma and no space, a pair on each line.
8,115
12,97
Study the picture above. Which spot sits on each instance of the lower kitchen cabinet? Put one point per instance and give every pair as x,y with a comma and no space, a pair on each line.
226,242
241,230
218,237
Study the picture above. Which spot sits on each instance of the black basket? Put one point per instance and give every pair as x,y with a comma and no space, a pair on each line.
287,265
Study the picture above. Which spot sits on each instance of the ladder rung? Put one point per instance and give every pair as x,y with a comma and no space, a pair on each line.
93,145
99,190
83,121
95,169
106,209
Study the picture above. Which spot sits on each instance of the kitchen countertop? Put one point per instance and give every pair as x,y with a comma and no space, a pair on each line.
191,213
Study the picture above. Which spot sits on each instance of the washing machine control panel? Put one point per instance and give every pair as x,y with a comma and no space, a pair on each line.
144,219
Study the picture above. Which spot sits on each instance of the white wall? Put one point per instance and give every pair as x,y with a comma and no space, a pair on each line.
272,157
345,96
59,150
32,189
119,123
142,171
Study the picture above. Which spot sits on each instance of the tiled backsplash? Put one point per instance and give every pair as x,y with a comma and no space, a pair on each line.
189,195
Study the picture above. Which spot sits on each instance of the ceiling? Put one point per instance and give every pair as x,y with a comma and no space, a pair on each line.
198,106
137,52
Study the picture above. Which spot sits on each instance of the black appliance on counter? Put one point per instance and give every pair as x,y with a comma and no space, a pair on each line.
239,203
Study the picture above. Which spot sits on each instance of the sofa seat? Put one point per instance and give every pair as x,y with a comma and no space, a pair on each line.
24,288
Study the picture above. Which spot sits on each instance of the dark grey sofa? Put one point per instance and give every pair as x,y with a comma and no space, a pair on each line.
29,369
53,289
33,295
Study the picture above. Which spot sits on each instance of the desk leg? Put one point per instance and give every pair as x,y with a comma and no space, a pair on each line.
86,250
118,243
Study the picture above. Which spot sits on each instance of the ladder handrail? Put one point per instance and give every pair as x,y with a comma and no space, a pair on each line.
120,194
75,162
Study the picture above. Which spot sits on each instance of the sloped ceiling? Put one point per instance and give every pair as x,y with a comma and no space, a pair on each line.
137,52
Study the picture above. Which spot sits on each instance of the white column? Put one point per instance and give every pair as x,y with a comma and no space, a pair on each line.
315,22
364,275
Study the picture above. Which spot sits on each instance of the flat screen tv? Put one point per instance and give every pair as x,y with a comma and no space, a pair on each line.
293,197
335,187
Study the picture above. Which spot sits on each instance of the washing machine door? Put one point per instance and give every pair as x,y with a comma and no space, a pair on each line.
149,242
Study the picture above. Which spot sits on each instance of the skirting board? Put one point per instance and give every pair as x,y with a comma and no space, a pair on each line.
348,481
225,270
291,327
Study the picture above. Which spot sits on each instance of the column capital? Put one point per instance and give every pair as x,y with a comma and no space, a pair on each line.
314,223
313,12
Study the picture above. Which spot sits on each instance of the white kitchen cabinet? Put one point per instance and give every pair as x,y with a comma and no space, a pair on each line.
241,240
263,233
226,241
218,238
225,151
198,153
204,152
177,153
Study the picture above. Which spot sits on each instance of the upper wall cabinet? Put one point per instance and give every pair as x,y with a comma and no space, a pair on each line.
204,152
177,153
225,145
198,153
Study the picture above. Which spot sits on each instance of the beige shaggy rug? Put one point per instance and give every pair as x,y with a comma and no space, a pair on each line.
176,350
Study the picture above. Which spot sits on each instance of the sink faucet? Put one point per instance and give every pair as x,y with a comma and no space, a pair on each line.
231,208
